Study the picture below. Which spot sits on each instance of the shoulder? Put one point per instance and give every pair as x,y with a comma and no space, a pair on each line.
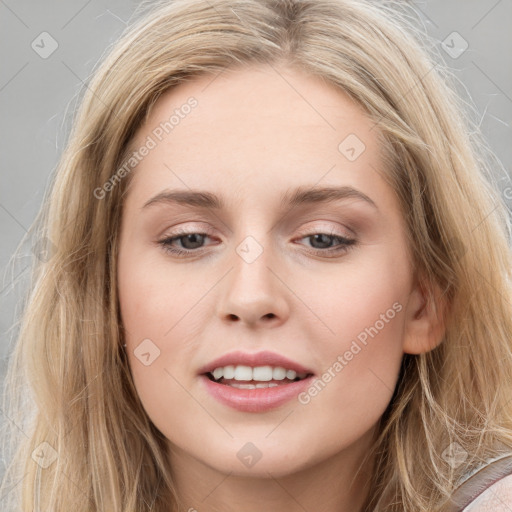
497,498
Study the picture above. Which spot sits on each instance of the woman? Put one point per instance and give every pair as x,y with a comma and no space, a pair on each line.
262,369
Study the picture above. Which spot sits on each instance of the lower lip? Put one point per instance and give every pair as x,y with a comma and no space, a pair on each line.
255,400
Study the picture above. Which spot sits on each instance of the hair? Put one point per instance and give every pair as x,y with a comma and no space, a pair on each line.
69,393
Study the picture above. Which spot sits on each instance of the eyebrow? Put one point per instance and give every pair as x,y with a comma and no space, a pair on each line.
299,196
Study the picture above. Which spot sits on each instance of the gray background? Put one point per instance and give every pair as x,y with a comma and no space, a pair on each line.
38,95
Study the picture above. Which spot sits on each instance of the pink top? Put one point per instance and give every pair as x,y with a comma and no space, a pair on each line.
481,486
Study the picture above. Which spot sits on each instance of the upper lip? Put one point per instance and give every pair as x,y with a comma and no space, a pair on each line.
265,358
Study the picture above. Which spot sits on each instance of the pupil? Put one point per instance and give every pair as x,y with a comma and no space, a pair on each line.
192,236
319,237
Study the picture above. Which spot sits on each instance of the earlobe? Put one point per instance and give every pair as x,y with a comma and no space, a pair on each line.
425,319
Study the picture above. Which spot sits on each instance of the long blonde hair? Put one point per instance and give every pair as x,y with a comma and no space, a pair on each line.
83,440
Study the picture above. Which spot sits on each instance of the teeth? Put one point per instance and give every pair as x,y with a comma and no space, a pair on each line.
243,373
228,372
262,373
218,373
279,373
291,374
252,386
258,373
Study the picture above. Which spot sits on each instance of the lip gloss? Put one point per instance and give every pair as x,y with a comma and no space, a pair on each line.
255,400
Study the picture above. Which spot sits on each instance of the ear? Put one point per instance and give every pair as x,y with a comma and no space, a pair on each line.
425,318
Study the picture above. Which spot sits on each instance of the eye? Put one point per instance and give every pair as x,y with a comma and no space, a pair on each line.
324,243
191,241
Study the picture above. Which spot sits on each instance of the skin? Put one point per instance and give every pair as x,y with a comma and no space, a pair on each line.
496,498
255,133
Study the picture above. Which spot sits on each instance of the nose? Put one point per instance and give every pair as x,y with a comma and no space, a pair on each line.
254,290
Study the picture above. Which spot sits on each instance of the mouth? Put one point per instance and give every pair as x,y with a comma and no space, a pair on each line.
260,377
254,382
255,391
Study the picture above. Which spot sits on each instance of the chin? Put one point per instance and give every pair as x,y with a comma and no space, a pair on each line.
258,459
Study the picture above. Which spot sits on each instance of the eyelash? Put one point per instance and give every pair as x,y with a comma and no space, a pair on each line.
345,243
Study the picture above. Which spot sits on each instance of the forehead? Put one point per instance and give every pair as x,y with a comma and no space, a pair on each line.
253,127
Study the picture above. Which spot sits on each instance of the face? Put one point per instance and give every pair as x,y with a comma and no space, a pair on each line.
324,281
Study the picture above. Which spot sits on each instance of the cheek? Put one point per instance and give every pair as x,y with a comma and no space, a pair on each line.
160,307
154,296
362,352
